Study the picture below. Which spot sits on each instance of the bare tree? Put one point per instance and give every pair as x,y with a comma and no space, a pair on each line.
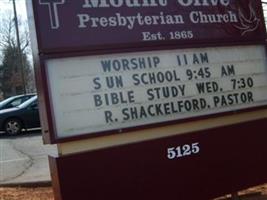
11,75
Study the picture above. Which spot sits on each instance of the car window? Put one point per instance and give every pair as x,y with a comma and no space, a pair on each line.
28,102
25,98
17,102
4,102
14,103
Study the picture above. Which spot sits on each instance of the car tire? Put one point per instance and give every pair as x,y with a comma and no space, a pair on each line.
13,126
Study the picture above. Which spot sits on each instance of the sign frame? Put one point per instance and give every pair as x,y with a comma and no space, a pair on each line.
50,135
46,108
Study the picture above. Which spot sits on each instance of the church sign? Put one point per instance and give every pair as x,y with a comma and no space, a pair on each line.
159,86
151,99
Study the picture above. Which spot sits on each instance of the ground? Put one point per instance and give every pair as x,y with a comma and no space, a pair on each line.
20,193
45,193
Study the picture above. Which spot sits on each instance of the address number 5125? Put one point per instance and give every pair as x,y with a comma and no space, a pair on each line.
182,151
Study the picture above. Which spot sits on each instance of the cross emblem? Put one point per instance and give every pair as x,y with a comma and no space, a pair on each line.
53,11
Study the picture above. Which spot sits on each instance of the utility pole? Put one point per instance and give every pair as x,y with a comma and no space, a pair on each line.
19,47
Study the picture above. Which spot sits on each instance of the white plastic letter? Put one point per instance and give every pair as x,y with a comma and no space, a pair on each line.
83,18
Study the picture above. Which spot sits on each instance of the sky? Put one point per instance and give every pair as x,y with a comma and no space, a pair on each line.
6,5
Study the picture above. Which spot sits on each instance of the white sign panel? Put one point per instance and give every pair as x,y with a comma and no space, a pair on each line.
99,93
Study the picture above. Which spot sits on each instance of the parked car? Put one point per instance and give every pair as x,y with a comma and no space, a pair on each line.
23,117
15,101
